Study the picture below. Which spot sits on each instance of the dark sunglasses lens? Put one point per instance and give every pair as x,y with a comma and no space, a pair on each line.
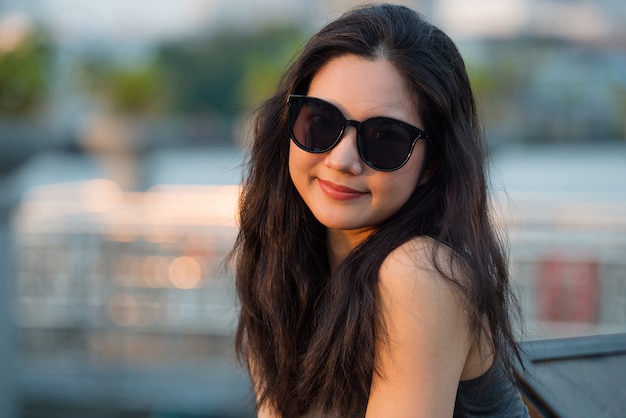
384,144
314,125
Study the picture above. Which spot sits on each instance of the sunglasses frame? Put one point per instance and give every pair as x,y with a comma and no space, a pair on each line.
414,132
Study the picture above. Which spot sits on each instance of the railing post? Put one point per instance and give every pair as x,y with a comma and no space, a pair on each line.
7,279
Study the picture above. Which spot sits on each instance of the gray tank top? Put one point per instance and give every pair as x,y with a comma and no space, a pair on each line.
489,395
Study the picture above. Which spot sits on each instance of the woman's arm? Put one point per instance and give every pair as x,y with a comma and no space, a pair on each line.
419,365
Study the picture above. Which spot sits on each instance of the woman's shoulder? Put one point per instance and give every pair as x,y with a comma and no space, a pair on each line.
425,335
421,257
426,277
420,276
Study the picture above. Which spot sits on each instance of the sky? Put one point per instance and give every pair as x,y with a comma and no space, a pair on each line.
118,19
140,21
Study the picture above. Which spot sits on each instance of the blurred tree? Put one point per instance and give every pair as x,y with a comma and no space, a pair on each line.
499,78
130,89
229,72
25,64
265,63
538,90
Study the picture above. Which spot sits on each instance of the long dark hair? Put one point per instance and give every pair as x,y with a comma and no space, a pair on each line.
308,334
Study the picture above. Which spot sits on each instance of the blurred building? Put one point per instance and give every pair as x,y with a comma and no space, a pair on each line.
126,297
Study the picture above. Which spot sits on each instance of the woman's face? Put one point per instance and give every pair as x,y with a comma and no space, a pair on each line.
340,189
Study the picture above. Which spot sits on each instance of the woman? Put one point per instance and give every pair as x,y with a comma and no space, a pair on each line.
370,280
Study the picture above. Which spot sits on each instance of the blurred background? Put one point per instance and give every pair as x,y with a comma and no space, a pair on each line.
122,130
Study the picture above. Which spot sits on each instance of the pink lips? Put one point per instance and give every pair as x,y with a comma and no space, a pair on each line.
339,192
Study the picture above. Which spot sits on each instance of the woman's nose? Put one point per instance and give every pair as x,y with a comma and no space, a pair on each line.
345,155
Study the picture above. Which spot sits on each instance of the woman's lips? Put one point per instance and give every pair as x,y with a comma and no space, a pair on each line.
339,192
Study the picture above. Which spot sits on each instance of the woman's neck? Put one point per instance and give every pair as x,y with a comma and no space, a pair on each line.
341,243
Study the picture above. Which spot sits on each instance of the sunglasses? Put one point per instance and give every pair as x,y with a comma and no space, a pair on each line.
316,126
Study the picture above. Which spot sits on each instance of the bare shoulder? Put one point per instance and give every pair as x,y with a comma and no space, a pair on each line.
422,259
417,300
411,282
426,342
